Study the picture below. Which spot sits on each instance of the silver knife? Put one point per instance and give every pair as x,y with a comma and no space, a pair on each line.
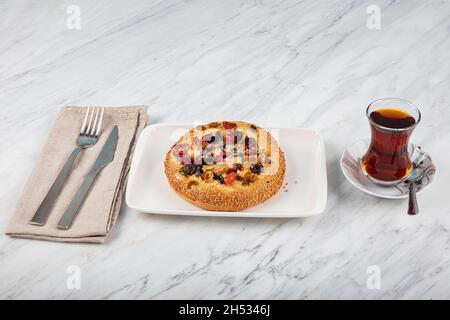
105,157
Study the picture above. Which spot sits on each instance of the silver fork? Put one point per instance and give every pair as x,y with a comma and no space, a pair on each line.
88,137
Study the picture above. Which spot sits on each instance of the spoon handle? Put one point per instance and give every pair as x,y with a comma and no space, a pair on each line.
412,204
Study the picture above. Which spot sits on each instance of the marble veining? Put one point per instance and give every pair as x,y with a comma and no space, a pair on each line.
311,64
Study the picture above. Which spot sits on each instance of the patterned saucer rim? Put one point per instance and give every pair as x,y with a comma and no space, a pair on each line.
401,187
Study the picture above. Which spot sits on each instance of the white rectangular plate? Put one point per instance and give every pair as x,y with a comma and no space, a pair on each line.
306,177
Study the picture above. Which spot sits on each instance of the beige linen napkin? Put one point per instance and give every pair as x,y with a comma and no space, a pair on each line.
101,207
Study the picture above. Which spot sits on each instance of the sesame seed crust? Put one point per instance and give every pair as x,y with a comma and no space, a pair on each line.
220,197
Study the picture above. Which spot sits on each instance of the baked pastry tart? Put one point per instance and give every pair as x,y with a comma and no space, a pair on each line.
226,166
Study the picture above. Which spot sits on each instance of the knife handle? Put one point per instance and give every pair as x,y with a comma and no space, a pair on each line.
42,213
66,220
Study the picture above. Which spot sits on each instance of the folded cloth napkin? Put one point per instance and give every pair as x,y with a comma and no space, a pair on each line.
101,207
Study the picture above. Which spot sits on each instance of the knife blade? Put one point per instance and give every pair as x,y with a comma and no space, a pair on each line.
105,157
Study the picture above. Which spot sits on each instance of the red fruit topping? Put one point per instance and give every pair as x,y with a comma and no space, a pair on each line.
235,168
230,178
229,125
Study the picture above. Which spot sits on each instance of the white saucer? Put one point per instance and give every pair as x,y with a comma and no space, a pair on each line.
351,169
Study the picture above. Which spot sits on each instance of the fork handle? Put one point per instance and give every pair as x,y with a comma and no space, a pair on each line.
42,213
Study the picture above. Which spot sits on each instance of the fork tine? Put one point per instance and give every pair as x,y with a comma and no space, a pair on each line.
88,128
99,126
92,131
85,120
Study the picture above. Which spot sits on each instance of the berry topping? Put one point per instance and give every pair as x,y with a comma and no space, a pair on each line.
232,170
236,167
229,125
230,178
256,168
219,177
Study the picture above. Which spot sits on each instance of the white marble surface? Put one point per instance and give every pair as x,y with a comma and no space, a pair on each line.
283,63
